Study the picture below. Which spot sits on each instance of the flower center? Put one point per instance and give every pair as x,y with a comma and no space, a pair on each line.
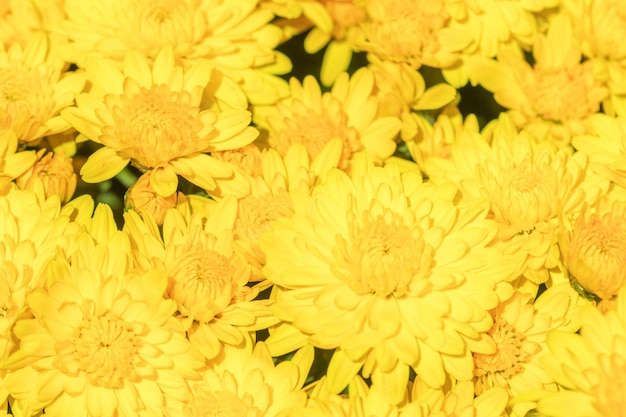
221,404
525,195
248,158
147,26
154,127
564,94
203,282
609,394
394,22
255,215
381,255
315,130
105,349
26,99
507,361
596,256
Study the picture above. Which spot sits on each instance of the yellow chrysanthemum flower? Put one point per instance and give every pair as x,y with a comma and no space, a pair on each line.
554,97
32,231
590,366
350,111
519,332
143,199
244,381
235,35
364,257
100,338
53,172
605,146
528,184
34,88
593,248
152,117
207,277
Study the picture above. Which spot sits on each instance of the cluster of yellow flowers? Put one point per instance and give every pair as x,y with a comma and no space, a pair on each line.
355,246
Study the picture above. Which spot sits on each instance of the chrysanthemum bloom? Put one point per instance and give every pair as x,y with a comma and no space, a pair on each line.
151,116
271,194
32,231
590,367
12,163
34,89
554,97
101,340
594,249
53,172
247,158
142,198
245,382
235,35
599,27
389,272
207,278
528,184
350,112
519,332
605,146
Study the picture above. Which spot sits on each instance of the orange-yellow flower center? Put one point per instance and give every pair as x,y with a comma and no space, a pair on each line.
314,130
596,255
507,361
525,195
202,282
105,347
609,396
381,255
153,127
221,404
26,98
256,214
148,25
564,94
404,31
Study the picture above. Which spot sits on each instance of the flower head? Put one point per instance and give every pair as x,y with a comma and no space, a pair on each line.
243,381
520,327
593,249
34,89
112,346
53,172
350,112
235,35
589,366
207,277
142,198
152,118
554,97
528,184
385,269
